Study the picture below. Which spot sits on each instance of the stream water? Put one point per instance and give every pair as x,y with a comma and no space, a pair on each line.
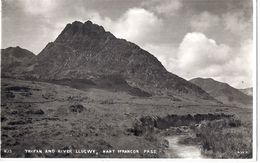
177,150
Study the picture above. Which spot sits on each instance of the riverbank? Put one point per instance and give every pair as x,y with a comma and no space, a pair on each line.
200,136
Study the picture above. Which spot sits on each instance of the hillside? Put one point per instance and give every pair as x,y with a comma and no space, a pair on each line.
14,57
247,91
223,92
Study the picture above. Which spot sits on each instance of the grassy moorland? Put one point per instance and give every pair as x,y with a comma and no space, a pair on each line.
38,115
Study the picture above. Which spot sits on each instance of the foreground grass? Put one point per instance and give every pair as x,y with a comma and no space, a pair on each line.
219,135
226,143
223,139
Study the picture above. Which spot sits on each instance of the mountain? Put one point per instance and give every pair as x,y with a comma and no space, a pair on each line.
223,92
14,57
86,51
247,91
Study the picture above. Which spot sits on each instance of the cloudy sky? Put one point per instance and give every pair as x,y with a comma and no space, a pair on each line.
192,38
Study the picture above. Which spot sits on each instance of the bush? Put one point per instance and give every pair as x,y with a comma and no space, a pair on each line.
78,108
225,142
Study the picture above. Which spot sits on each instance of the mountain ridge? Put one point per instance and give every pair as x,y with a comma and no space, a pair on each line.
248,91
87,51
223,92
13,58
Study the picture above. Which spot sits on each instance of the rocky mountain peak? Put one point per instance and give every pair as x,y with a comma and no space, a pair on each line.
86,51
83,32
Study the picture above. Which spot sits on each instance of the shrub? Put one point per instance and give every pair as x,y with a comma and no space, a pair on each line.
78,108
225,142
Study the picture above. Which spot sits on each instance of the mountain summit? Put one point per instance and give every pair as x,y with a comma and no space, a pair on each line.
87,51
83,33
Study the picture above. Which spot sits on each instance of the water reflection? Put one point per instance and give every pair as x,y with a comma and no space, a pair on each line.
177,150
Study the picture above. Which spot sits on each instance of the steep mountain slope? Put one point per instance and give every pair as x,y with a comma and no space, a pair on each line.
223,92
87,51
14,57
247,91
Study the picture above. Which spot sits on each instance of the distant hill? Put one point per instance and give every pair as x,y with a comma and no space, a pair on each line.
223,92
86,51
247,91
13,58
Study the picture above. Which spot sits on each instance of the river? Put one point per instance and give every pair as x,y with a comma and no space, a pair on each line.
177,150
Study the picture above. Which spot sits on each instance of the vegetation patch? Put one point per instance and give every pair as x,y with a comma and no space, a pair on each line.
38,111
18,89
183,120
78,108
219,135
227,140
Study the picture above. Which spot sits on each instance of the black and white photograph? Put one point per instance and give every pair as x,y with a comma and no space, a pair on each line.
153,79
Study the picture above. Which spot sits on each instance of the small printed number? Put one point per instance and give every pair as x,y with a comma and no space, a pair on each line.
242,152
7,151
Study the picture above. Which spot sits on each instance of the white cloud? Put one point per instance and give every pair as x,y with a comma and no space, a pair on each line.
199,56
204,21
164,7
196,50
165,53
241,66
136,25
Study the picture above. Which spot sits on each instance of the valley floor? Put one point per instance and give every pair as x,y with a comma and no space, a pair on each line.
38,116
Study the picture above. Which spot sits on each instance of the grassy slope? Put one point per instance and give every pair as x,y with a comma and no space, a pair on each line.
101,124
